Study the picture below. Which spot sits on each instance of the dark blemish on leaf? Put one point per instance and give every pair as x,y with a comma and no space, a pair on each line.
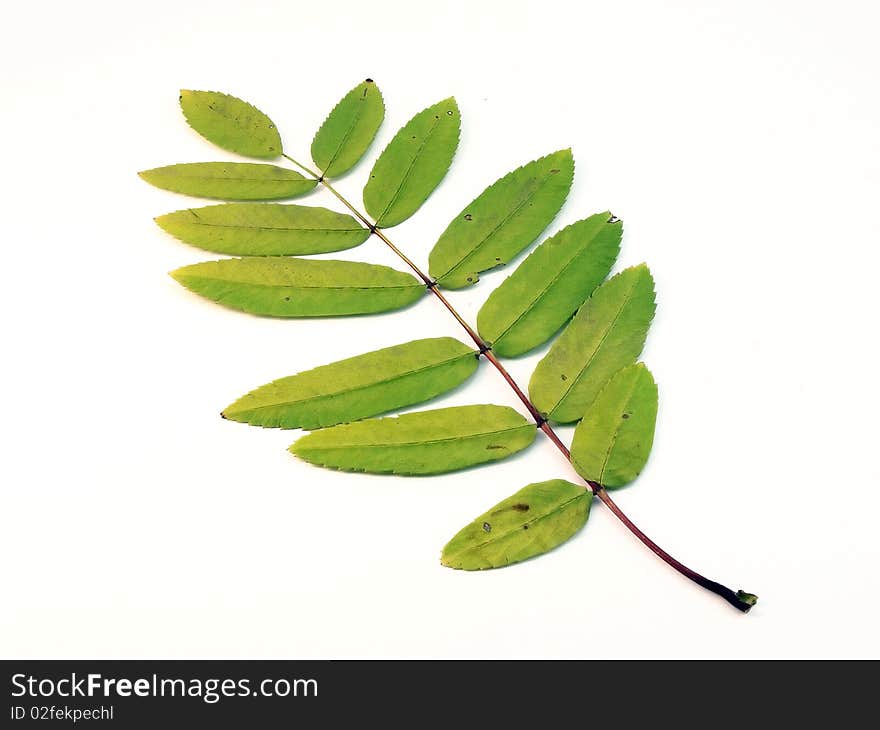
525,527
368,81
286,299
563,377
495,446
487,527
498,258
625,415
471,279
554,171
614,219
436,116
518,507
468,217
449,112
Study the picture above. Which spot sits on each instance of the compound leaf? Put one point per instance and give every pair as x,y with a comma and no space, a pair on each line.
612,442
264,229
348,130
537,299
230,180
425,442
607,333
502,220
533,521
413,164
359,387
231,123
301,287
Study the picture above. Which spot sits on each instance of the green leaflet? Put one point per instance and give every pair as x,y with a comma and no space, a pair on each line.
264,229
536,519
504,219
539,297
300,287
348,130
425,442
230,123
612,442
413,164
230,180
362,386
607,333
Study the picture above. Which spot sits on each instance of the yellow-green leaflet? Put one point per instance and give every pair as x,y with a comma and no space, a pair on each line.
230,180
425,442
348,130
413,164
504,219
264,229
536,519
231,123
612,442
607,333
282,287
537,299
359,387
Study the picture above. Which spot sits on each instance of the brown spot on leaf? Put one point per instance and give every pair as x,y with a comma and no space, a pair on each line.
625,416
468,217
520,507
487,527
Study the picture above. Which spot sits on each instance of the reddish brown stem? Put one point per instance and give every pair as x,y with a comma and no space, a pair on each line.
739,599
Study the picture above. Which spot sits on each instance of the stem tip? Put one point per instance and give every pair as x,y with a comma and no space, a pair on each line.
746,601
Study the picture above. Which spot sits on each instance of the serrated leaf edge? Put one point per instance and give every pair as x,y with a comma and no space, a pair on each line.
412,163
608,329
237,98
586,494
349,130
279,404
510,215
543,292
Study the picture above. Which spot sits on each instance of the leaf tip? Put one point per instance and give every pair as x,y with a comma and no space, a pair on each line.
179,275
447,560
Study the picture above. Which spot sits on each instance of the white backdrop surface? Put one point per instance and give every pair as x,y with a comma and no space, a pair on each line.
738,141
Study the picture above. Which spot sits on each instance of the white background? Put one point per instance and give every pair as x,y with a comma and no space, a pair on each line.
738,141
